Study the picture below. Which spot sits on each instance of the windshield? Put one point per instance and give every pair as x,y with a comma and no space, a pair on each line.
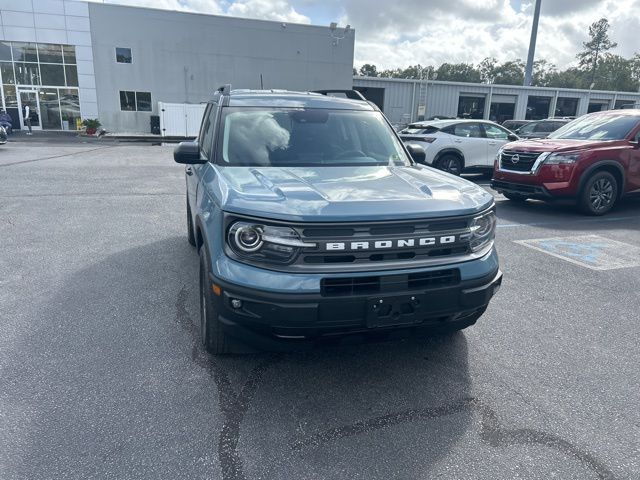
598,127
306,137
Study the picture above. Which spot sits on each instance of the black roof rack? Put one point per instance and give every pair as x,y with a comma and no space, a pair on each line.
351,94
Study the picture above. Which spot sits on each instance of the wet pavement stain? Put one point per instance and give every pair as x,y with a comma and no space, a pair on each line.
234,406
491,432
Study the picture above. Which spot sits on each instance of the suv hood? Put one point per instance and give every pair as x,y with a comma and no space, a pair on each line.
555,145
344,193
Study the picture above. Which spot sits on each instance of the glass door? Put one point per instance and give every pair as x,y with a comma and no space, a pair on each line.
29,98
50,109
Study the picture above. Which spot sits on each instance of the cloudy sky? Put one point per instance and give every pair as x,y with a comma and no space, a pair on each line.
398,33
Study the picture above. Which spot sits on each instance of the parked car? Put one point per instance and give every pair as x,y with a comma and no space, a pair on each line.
311,219
458,145
541,128
514,125
593,160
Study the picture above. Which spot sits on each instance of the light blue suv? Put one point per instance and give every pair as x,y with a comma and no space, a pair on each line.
312,219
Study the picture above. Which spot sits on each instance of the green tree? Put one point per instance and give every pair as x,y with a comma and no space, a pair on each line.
595,48
635,67
509,73
487,68
369,70
569,78
458,72
543,71
617,73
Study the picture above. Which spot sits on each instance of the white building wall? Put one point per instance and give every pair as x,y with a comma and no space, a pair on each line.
59,22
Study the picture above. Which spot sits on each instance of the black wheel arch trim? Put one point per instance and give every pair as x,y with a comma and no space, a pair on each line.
597,166
445,151
199,227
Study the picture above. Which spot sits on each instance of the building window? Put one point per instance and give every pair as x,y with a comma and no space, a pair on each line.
52,74
127,101
566,107
71,75
123,55
143,101
471,106
538,108
598,106
625,104
50,53
135,101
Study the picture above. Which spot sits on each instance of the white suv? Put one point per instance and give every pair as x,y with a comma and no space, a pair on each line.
458,145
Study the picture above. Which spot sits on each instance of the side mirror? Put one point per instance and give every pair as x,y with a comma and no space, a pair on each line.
417,153
512,137
188,152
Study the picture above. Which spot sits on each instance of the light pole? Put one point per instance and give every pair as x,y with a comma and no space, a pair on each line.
589,95
426,90
528,72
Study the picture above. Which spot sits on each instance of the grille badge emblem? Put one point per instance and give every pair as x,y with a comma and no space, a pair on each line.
515,158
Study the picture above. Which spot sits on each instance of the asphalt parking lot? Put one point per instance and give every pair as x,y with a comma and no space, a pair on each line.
102,376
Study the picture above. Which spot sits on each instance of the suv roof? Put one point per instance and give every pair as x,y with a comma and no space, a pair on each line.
292,99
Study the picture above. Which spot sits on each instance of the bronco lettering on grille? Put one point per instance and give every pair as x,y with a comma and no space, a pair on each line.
399,243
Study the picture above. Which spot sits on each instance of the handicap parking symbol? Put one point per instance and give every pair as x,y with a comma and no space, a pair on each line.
591,251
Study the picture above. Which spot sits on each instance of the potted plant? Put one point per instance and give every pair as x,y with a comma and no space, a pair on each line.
91,125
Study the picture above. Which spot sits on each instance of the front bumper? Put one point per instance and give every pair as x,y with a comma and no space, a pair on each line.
267,317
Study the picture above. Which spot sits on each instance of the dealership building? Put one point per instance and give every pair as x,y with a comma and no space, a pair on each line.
404,101
70,60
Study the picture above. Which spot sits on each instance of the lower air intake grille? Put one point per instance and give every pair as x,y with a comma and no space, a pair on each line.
332,287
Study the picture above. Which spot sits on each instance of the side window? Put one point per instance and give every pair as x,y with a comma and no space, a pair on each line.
205,139
467,130
494,132
528,128
545,127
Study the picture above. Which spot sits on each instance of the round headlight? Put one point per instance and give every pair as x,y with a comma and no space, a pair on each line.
248,238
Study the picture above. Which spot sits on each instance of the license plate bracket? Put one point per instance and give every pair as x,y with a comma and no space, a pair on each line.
393,311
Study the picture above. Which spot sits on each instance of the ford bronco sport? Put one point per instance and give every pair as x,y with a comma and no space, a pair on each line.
312,219
593,160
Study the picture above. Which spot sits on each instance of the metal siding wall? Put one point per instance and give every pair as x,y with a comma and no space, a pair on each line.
442,97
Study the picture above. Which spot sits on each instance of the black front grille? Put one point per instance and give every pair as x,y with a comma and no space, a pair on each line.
335,287
524,161
387,232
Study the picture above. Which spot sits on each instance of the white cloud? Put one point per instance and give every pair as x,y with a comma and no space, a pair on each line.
468,31
279,10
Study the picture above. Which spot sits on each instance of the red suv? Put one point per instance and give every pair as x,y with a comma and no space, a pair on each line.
594,160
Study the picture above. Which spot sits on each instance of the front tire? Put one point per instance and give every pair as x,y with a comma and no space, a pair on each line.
599,194
212,336
450,164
